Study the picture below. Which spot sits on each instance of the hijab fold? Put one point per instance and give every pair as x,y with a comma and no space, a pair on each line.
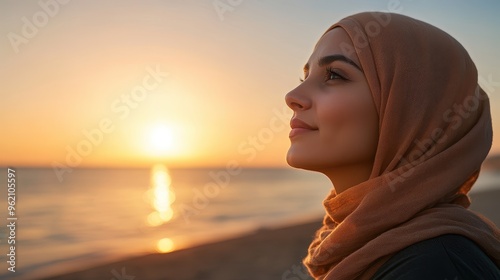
434,132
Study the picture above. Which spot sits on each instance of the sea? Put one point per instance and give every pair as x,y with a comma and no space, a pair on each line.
90,216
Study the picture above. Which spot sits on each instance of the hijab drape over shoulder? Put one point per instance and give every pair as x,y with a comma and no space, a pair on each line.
434,133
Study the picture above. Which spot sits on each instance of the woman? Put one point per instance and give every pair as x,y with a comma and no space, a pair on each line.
391,112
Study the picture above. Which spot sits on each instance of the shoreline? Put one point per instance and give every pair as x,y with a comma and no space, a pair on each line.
248,256
270,252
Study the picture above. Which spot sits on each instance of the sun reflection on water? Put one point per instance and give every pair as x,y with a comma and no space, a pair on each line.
160,196
165,245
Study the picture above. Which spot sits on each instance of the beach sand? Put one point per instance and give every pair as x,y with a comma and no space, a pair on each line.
265,254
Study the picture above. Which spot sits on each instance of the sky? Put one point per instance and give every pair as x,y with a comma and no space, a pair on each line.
185,83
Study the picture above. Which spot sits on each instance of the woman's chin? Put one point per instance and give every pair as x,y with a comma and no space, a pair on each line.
301,161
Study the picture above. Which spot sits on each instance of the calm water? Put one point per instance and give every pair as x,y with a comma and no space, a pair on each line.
97,215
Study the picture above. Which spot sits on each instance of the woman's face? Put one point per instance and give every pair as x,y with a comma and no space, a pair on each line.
335,123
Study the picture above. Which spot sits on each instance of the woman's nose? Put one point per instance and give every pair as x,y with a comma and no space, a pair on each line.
297,100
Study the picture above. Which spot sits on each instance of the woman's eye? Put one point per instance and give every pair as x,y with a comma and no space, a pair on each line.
333,75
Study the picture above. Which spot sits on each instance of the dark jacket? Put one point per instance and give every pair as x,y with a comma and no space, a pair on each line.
446,257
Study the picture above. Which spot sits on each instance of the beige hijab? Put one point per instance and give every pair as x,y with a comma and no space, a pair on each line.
435,131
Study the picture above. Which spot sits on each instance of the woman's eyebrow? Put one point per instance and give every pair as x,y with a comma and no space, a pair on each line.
331,58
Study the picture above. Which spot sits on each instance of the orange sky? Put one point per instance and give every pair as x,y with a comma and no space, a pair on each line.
134,83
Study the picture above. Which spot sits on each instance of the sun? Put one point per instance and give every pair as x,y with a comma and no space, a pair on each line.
162,139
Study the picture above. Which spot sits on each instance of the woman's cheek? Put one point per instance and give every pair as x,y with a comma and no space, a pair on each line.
345,125
334,114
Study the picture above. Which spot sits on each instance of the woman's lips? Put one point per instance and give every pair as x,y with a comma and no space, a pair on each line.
299,127
298,131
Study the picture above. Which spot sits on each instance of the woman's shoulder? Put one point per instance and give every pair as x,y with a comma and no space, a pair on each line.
449,256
